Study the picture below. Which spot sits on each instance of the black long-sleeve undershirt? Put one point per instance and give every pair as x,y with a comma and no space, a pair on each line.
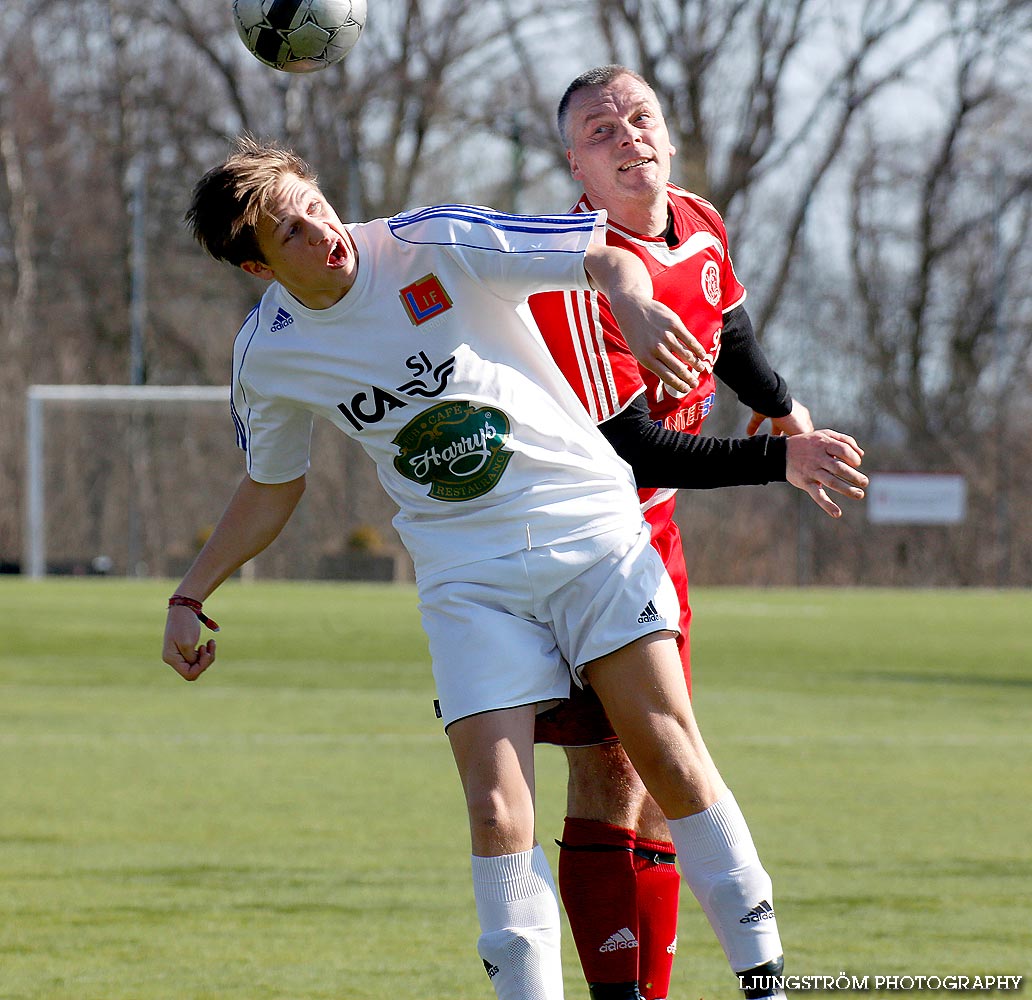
743,367
676,460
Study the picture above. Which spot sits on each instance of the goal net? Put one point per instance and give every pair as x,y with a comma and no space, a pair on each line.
129,480
124,479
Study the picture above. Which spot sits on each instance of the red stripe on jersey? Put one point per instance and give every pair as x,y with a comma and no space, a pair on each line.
575,335
590,351
695,277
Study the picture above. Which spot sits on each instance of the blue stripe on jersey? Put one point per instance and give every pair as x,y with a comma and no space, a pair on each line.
238,423
564,222
486,218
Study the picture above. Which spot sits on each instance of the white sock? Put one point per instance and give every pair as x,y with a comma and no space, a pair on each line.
518,909
720,864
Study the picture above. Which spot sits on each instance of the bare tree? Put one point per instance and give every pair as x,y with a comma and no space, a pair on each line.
946,322
939,238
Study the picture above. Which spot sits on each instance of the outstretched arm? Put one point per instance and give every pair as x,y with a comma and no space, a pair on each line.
253,518
654,333
816,461
664,458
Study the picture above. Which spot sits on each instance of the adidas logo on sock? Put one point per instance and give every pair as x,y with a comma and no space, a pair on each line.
492,970
282,321
762,911
649,614
672,947
619,941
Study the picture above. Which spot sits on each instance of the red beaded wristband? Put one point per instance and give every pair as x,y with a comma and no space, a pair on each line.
179,601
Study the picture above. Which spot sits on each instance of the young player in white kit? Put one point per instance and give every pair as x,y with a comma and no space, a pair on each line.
533,564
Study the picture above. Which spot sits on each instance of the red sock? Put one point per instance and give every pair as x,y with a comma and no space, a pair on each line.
599,894
658,884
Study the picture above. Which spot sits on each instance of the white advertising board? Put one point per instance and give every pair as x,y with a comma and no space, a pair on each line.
916,498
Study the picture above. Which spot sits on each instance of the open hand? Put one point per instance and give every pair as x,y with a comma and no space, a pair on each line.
819,461
661,343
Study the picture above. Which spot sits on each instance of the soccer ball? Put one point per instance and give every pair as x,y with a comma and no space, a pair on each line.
299,36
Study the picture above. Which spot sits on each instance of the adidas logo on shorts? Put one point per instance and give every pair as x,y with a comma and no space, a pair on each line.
649,614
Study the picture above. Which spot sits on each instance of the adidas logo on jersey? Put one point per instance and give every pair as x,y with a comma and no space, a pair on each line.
762,911
619,941
649,614
282,321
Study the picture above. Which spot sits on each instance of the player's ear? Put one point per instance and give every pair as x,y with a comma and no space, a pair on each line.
258,269
574,169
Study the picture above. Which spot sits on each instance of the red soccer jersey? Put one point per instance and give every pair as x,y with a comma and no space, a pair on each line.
695,278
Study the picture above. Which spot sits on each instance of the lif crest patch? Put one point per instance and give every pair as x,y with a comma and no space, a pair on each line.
424,299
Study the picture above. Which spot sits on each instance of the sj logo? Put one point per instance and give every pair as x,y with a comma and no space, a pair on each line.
371,405
456,448
424,299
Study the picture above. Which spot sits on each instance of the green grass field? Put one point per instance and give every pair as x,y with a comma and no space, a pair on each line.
291,826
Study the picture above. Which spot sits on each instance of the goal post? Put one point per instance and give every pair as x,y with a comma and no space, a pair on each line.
133,403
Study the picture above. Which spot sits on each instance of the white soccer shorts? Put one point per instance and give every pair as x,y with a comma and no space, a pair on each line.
503,632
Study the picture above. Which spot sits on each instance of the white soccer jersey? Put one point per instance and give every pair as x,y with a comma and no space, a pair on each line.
433,363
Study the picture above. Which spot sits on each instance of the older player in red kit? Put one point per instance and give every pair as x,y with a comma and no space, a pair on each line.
617,874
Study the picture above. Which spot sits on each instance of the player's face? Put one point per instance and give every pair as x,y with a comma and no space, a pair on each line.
620,149
304,246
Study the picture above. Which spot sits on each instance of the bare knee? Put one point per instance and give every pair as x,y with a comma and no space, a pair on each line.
498,825
494,752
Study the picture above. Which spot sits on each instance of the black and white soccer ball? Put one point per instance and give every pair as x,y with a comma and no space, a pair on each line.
299,36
